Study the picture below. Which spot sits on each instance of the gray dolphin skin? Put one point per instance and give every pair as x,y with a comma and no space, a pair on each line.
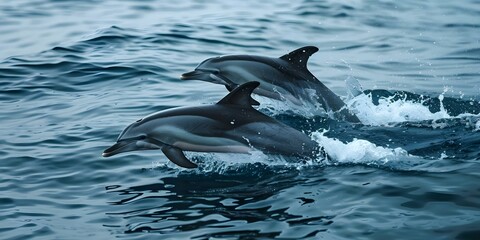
284,78
231,126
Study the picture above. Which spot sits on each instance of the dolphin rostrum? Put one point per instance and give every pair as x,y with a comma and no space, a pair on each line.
232,126
284,78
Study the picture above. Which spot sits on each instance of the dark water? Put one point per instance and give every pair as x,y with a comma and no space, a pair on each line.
73,74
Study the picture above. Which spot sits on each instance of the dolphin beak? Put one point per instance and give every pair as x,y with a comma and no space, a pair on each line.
196,75
118,147
205,76
128,146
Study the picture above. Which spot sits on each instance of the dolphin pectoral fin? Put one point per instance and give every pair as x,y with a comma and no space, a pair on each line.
299,58
176,156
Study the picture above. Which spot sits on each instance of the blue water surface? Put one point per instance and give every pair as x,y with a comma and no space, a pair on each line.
74,74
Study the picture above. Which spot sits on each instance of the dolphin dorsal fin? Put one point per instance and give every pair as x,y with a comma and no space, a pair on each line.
252,101
299,57
241,95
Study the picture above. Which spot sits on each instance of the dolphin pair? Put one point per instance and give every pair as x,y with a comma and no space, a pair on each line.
284,78
231,126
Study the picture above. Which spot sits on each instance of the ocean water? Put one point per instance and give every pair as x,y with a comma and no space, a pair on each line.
73,74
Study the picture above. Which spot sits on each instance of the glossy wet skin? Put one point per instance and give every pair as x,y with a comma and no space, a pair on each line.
286,78
235,70
231,125
215,128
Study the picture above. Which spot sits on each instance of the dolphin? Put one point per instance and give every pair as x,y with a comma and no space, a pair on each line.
230,126
284,78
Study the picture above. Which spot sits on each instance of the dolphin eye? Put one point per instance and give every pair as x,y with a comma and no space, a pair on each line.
142,137
139,120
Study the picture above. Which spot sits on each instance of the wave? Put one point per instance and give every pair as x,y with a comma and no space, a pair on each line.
385,108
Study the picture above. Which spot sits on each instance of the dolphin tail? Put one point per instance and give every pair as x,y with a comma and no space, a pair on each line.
176,156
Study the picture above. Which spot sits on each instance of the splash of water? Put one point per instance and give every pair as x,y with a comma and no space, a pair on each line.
390,111
275,107
357,151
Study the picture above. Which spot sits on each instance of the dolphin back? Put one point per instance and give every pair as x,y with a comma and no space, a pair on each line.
330,101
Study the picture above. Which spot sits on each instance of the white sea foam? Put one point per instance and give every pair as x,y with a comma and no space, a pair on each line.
360,151
390,111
